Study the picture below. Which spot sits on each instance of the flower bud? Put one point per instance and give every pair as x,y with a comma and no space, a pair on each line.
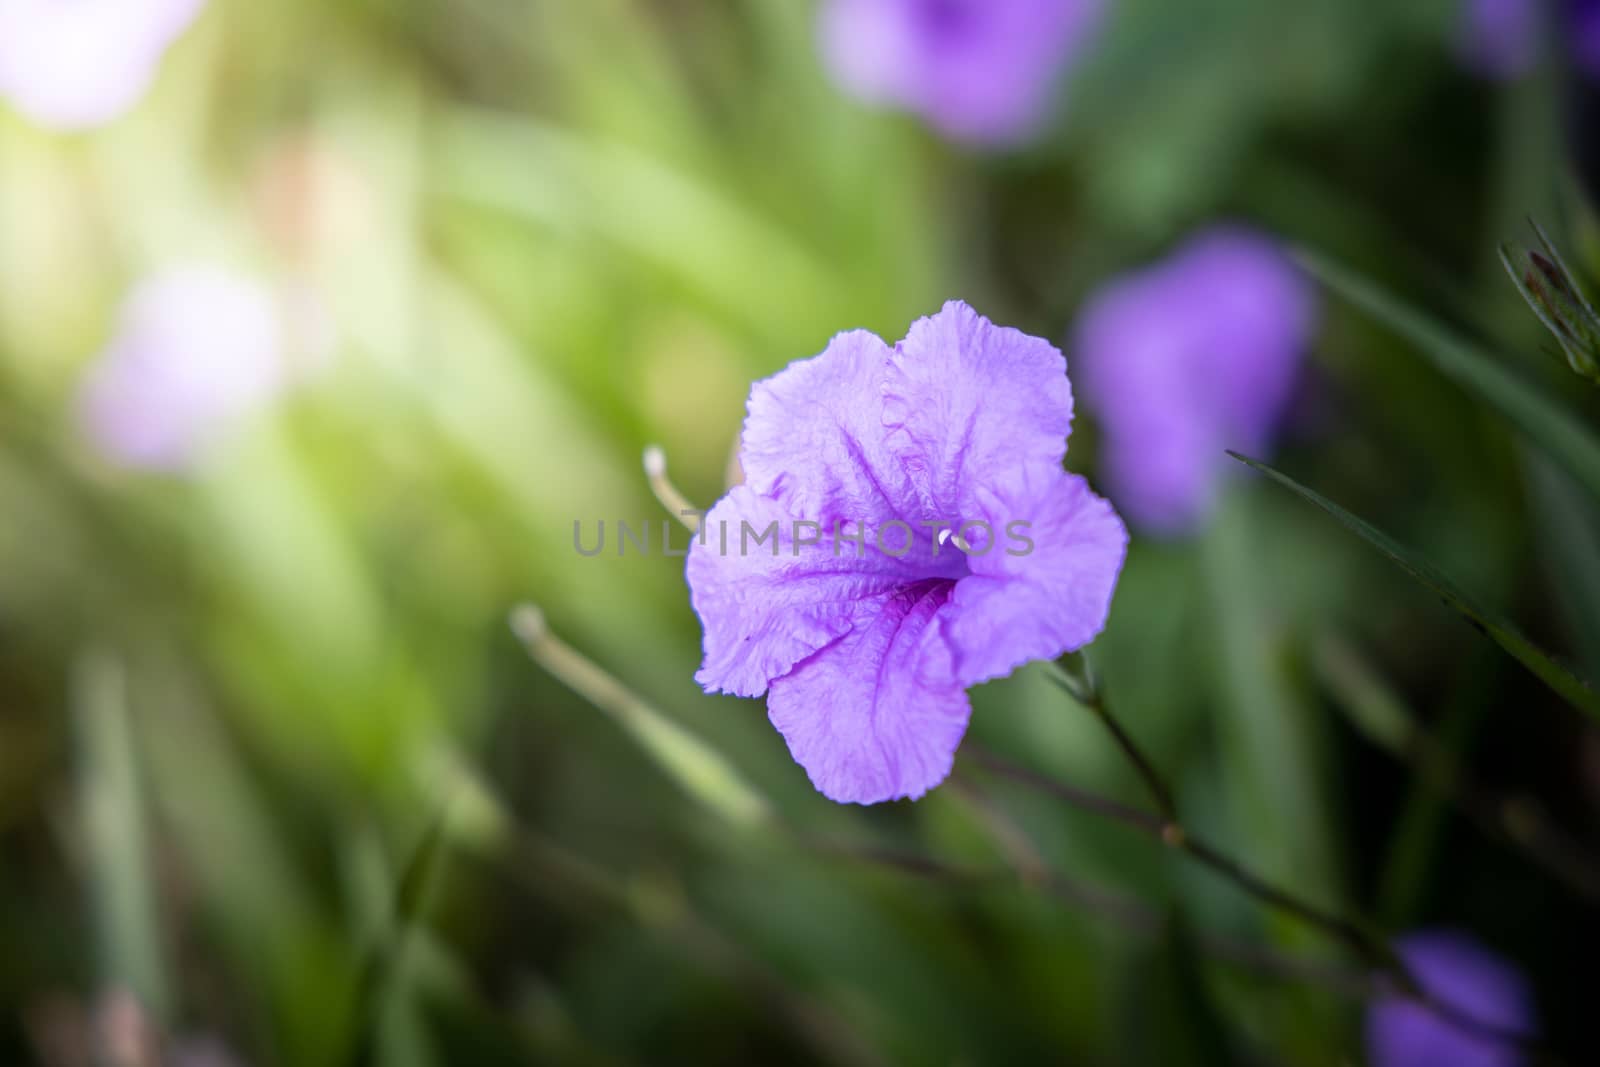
1550,289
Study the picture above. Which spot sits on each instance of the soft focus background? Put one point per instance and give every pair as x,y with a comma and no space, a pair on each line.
277,783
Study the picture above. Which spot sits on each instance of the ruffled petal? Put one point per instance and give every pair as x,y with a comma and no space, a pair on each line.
766,602
964,399
875,716
814,438
1043,586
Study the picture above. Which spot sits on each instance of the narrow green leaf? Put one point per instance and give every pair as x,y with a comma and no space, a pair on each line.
702,771
384,961
1168,982
1559,678
1534,412
1568,527
1367,702
116,829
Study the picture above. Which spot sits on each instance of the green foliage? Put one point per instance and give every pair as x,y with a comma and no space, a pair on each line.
1559,678
1531,410
546,234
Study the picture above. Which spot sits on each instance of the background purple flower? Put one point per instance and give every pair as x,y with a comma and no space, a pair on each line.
195,349
1499,39
1186,359
1462,973
70,64
1583,36
982,71
868,657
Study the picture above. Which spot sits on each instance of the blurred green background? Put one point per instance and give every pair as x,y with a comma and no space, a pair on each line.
279,786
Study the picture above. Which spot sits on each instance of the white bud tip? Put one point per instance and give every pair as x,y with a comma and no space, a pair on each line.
655,462
944,536
527,622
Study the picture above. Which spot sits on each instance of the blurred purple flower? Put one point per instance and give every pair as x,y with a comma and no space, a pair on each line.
868,650
981,71
1499,39
196,348
72,64
1188,358
1466,976
1583,36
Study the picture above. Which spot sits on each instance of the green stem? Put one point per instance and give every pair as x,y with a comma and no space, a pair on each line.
1360,935
1087,693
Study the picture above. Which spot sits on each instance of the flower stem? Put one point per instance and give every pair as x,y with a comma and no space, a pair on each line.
1086,691
666,492
1361,936
698,768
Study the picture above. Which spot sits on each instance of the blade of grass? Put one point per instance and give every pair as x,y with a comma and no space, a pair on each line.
115,819
1561,680
1568,528
386,958
1513,820
699,769
1535,413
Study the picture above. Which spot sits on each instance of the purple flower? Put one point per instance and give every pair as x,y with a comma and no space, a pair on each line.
981,71
71,64
1465,976
1188,358
1499,39
196,349
1583,36
867,646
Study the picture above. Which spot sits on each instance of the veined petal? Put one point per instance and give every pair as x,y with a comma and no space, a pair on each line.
1037,600
964,399
765,601
875,716
813,438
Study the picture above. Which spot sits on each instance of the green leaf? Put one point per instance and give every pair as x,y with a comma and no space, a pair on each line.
384,960
702,771
117,833
1534,412
1568,527
1168,982
1575,691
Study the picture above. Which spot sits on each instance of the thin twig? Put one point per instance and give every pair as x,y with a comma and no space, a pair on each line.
1087,693
1080,798
667,494
1014,843
1124,911
1360,936
1173,835
608,694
